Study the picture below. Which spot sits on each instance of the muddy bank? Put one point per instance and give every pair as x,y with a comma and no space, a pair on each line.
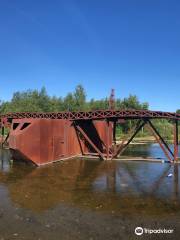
70,222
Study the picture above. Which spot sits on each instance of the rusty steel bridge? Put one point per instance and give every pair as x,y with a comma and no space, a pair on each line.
84,123
94,115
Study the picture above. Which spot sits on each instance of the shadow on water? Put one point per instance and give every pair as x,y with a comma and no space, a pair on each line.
121,187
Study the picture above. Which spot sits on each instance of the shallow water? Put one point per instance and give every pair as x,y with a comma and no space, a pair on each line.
146,150
56,199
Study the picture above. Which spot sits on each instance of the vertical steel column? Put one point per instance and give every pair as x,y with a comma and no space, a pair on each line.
2,134
107,139
176,140
114,132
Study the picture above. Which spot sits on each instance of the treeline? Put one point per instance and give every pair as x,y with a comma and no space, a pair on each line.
40,101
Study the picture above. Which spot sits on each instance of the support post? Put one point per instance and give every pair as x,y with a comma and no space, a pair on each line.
89,141
120,146
107,139
176,140
2,135
5,141
150,128
114,131
123,146
158,134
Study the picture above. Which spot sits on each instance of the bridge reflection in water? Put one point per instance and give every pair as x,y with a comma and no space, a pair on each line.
121,187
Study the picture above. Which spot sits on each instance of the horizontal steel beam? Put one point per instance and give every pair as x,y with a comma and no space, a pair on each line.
95,115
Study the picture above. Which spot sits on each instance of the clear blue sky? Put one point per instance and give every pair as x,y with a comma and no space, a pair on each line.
130,45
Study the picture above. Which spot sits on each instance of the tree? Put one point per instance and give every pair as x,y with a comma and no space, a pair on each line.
69,103
80,98
132,102
40,101
44,100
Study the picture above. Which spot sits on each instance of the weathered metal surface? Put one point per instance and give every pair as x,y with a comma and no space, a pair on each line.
120,149
158,139
94,115
176,141
94,134
45,140
47,137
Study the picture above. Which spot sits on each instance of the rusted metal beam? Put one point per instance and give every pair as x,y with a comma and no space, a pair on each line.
149,127
94,115
105,146
122,147
161,138
79,140
176,141
89,141
114,131
2,135
5,140
107,139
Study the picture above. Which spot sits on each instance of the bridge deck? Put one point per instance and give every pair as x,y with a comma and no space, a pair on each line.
95,115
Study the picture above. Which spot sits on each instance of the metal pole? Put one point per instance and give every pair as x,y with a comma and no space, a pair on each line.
107,139
161,138
175,140
159,141
2,134
122,147
119,147
114,132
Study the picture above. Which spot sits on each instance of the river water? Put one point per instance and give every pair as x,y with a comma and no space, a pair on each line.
88,199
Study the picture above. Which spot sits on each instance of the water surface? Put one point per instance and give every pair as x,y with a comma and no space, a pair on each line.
60,196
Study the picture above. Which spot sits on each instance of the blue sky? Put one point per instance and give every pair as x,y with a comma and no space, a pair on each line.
132,46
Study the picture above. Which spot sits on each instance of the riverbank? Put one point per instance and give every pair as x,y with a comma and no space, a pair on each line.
146,140
139,140
69,223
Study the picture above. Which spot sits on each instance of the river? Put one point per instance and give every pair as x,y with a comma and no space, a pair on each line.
88,199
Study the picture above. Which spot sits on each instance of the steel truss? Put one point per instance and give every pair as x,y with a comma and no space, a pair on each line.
113,116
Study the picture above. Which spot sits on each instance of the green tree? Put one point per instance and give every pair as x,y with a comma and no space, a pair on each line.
69,103
132,102
79,97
